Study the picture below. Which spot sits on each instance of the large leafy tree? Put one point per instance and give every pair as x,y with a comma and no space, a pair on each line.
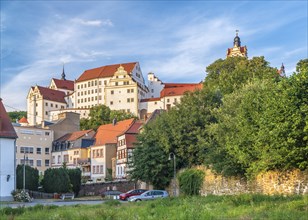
149,162
263,125
102,114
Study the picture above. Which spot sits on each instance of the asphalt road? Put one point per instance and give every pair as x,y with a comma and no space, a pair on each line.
52,202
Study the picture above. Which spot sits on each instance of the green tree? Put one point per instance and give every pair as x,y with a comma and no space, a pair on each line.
149,163
32,177
56,180
100,115
75,179
17,115
191,181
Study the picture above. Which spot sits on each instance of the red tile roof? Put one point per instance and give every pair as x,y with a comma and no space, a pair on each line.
6,128
176,91
64,84
107,134
51,94
105,71
23,120
131,139
74,135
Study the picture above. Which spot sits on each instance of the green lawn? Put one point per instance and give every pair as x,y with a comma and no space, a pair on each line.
191,208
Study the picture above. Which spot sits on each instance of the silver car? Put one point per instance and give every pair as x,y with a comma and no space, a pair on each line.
149,195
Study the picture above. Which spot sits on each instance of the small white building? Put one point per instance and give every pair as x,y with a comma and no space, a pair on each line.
7,155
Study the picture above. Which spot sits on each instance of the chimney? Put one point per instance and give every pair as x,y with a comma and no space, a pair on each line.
114,121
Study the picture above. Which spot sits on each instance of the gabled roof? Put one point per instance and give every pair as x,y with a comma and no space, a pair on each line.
105,71
180,90
107,134
6,128
64,84
73,136
51,94
133,128
23,120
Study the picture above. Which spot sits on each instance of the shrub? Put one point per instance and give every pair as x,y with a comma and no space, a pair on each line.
32,177
56,181
190,181
75,179
21,196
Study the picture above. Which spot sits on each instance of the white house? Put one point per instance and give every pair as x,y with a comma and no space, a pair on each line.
7,155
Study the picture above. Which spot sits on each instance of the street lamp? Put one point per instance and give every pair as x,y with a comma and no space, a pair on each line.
172,155
24,171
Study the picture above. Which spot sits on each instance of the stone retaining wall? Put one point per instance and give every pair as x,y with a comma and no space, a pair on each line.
98,188
271,182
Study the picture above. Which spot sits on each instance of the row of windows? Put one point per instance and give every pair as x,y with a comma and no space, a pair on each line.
30,162
51,105
32,132
89,99
91,83
121,170
129,100
121,142
29,150
65,159
98,169
89,92
121,154
98,153
128,91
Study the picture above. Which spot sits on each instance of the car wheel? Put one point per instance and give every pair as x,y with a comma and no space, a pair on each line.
138,200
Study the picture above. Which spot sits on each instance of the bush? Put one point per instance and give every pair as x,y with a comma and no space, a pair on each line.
75,179
32,177
190,181
56,181
21,196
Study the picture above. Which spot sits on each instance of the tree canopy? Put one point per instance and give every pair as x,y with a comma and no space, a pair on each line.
246,119
100,115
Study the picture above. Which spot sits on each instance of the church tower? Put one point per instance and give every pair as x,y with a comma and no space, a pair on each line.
237,49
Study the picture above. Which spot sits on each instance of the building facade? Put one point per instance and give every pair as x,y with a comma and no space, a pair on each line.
7,155
33,146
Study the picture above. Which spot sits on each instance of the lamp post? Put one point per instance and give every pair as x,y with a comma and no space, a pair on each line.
172,155
24,171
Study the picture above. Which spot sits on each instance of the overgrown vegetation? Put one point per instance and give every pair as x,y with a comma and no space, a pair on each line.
246,119
57,180
190,181
247,206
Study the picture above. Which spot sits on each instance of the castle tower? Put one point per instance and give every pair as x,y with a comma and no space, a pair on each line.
237,49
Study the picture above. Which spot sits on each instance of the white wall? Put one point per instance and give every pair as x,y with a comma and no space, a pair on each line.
7,167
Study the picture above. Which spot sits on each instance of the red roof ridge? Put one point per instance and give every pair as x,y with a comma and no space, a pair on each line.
6,128
51,94
105,71
23,120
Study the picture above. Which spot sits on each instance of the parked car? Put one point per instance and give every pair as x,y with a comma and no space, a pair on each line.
111,194
133,192
149,195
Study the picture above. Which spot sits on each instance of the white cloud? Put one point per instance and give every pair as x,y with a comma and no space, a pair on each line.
95,23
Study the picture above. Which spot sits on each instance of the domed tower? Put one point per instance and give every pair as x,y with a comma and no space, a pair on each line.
237,49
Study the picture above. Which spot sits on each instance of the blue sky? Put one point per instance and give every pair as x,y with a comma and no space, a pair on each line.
176,40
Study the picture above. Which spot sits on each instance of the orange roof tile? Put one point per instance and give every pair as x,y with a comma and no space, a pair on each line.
23,120
74,135
6,128
64,84
51,94
107,134
175,91
104,71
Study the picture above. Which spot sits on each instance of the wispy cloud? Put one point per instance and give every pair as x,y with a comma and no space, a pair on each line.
96,23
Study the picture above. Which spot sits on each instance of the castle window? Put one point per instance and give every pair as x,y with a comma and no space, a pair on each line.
112,92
